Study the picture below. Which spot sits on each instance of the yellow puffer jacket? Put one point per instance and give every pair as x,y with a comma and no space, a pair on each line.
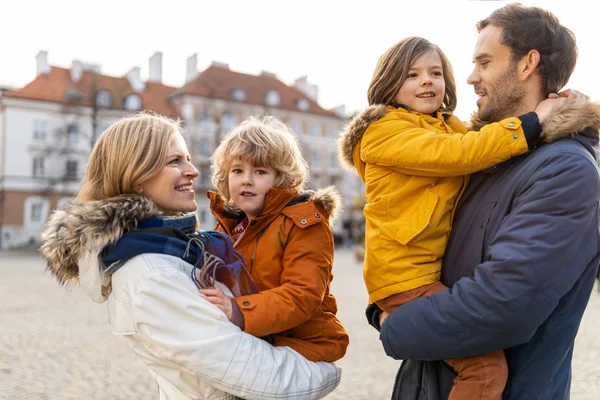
414,166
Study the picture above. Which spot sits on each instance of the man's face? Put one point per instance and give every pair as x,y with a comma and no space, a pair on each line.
495,77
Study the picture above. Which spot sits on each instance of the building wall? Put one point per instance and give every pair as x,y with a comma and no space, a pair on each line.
20,190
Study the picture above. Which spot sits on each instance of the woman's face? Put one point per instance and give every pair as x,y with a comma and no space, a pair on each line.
171,189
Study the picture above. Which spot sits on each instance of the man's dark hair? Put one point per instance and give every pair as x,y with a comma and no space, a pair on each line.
532,28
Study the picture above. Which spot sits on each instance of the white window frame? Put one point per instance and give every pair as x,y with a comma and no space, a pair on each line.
127,103
272,98
38,166
39,130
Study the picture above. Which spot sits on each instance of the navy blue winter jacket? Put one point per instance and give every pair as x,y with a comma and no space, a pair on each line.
521,262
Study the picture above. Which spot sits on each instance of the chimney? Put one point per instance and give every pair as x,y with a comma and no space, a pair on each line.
135,79
191,67
76,70
308,89
42,62
155,68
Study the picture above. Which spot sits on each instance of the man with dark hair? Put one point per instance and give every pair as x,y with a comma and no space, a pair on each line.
525,243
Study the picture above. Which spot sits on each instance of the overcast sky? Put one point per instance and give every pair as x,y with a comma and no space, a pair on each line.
335,43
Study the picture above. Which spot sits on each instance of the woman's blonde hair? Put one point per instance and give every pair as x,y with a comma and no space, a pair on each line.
129,152
393,66
263,142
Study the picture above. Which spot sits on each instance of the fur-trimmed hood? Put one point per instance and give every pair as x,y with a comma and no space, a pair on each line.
328,199
354,131
86,228
569,116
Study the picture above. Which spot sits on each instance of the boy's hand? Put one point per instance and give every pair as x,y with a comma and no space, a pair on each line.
219,299
382,317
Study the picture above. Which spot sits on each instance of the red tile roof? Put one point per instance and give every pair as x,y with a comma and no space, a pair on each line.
218,82
53,86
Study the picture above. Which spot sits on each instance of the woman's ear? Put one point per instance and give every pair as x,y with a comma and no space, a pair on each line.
138,189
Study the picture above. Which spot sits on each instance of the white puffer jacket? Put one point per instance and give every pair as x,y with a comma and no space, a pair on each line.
188,344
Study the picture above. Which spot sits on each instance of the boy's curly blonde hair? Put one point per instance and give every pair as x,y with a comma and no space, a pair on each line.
263,142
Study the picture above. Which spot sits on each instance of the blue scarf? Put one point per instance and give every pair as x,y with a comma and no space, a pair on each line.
210,252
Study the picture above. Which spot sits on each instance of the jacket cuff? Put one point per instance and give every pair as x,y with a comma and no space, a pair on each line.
238,317
532,128
373,313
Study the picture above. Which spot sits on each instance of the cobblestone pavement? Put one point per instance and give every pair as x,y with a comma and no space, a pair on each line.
56,343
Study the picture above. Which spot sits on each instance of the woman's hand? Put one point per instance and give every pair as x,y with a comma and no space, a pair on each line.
219,299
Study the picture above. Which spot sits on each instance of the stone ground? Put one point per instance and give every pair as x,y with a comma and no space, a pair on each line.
56,343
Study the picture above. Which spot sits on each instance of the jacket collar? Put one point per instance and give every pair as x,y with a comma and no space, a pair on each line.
88,227
327,200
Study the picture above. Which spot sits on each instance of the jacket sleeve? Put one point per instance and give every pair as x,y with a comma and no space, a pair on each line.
307,262
542,248
193,338
409,149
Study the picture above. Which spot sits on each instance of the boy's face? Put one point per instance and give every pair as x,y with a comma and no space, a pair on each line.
248,186
424,87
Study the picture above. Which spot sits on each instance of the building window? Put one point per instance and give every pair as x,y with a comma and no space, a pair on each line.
227,122
272,98
36,212
104,99
71,170
133,102
204,147
316,182
204,172
332,133
295,127
72,135
314,130
333,161
39,130
315,160
38,166
303,105
239,94
204,115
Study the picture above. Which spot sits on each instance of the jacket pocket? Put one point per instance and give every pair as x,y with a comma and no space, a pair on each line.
409,226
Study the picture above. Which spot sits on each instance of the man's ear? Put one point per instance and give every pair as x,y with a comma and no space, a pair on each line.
528,64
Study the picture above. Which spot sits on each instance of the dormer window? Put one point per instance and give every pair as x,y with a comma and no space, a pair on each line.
73,95
104,99
133,102
272,98
238,94
303,105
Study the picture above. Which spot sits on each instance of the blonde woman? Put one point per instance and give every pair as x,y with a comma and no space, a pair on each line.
137,190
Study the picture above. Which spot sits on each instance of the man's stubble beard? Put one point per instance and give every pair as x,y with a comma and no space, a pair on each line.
505,97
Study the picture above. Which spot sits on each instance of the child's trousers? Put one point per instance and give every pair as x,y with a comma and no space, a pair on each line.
479,377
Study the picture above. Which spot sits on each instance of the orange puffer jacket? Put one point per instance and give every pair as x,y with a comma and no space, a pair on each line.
288,250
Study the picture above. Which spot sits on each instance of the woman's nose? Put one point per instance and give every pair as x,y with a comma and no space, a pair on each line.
192,172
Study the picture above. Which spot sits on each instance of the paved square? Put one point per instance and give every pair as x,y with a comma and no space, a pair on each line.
57,344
